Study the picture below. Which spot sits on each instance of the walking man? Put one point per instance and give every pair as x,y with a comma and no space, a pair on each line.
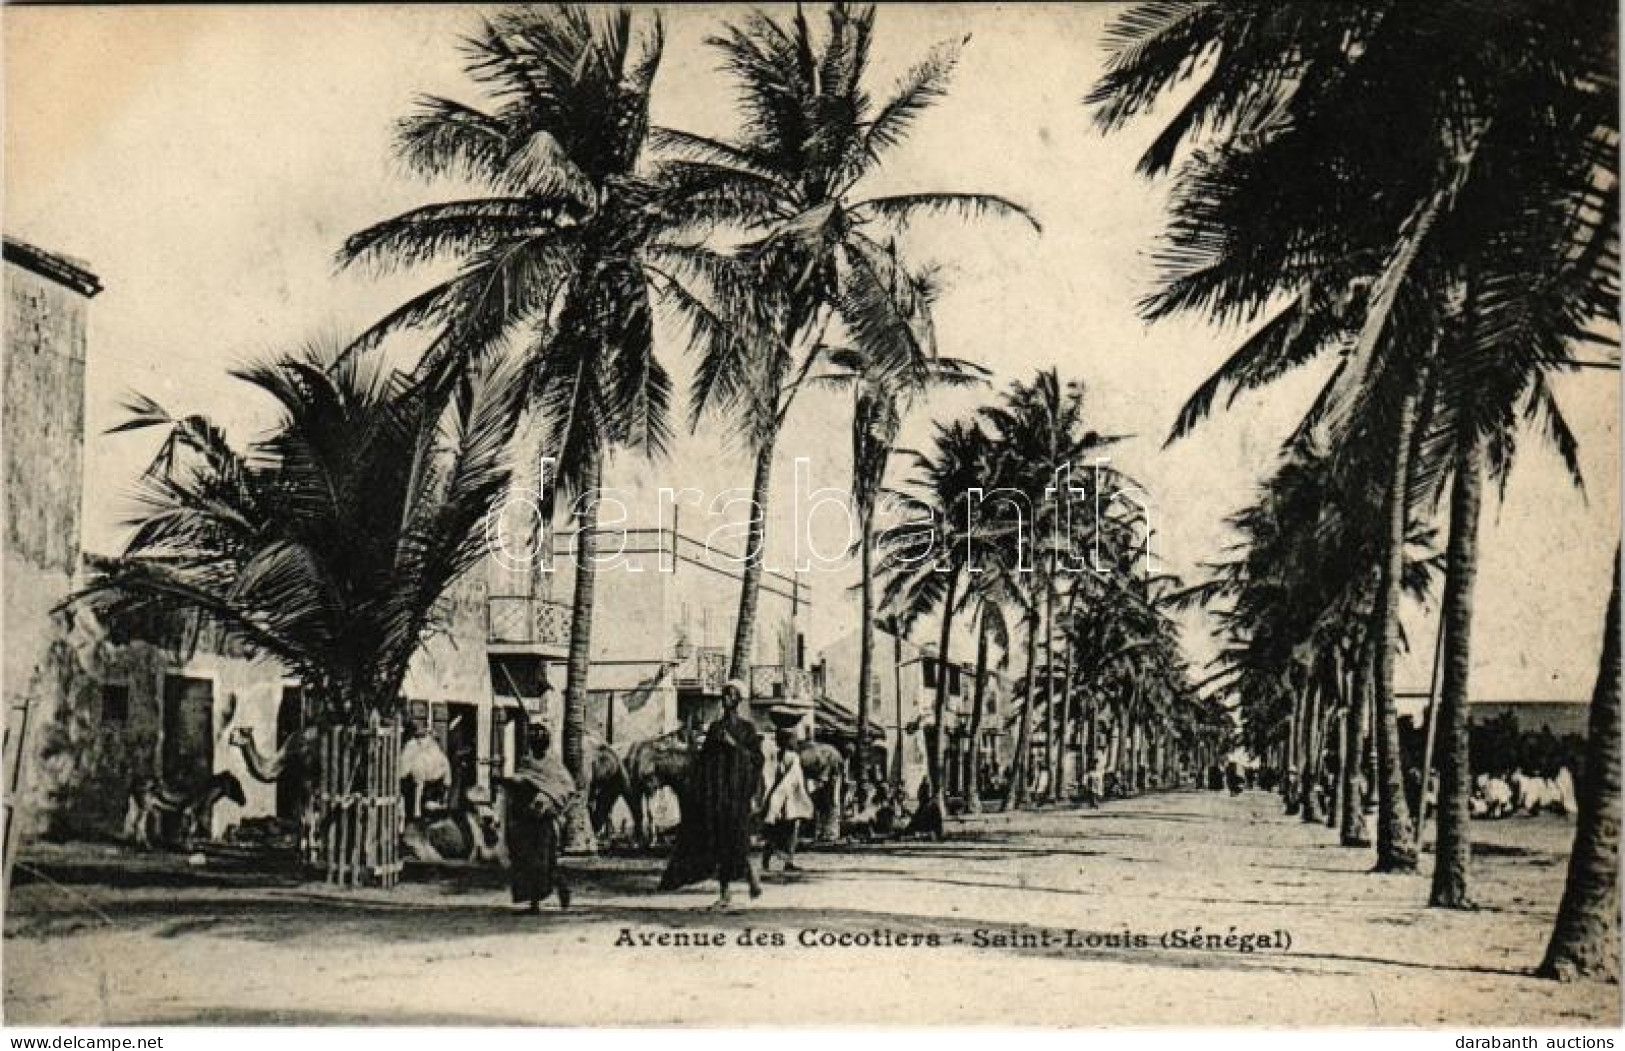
718,802
538,794
786,803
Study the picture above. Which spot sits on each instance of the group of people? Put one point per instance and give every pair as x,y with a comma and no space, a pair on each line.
730,787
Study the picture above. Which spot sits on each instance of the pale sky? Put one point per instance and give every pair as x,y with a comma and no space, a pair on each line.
207,162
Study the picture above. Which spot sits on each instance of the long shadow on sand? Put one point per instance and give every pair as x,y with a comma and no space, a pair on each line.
284,916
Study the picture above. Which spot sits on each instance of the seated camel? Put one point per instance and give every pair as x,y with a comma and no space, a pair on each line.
470,834
150,801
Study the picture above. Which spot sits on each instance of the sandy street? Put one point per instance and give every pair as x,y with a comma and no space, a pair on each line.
1063,917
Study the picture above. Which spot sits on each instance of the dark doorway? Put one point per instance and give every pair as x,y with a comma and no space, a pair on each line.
188,743
290,723
462,748
696,710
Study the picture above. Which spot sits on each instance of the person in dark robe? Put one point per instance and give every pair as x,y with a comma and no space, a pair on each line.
539,794
927,817
718,800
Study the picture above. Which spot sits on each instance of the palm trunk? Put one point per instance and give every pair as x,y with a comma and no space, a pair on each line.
1132,745
1309,809
1136,753
939,704
1396,851
578,829
1066,721
1294,748
866,657
1120,721
897,701
1337,725
1453,851
1015,794
750,581
1051,718
1585,940
973,773
1353,830
1091,741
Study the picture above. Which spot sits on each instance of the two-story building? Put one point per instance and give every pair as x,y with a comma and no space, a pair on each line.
663,627
666,595
42,449
903,692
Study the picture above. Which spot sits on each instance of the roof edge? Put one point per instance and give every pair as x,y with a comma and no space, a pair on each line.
58,268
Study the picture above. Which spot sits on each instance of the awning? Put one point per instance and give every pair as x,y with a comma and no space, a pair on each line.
518,675
835,719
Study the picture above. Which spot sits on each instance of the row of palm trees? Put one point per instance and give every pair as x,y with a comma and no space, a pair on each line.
762,244
1015,518
1427,193
583,222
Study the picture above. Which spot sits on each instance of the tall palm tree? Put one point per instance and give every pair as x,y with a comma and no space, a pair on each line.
1455,138
813,251
555,258
1585,939
1040,435
992,631
1295,603
933,553
321,544
886,379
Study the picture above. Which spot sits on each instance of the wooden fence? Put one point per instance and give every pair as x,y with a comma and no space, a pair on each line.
16,766
354,824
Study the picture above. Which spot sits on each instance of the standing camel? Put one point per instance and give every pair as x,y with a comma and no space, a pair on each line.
150,801
650,765
824,768
295,761
609,784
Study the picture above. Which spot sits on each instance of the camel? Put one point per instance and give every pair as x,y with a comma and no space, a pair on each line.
650,765
472,834
607,784
296,755
824,767
663,762
151,800
296,760
424,765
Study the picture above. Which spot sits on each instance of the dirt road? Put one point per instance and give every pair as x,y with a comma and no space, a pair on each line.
1185,909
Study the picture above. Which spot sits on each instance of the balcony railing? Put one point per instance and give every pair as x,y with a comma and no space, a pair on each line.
712,665
776,681
519,619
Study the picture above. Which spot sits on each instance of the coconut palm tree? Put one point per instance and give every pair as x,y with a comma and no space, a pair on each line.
887,379
1295,604
555,257
1042,446
992,631
322,544
813,251
1455,138
932,555
1585,939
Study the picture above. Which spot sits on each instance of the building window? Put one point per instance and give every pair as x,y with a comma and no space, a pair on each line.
115,702
930,667
953,679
